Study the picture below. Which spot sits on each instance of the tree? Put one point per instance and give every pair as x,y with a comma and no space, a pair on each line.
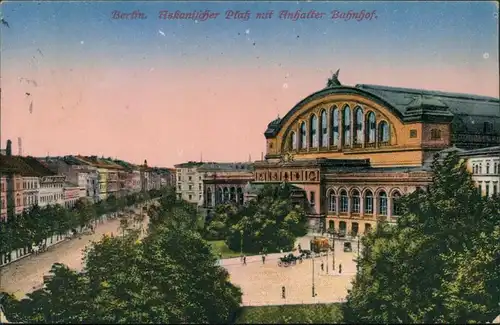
271,222
439,264
169,277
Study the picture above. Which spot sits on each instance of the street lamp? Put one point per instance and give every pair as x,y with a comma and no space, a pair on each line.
312,261
241,241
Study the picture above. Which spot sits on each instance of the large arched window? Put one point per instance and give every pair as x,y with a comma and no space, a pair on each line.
346,126
383,132
209,197
293,140
335,126
239,193
219,198
226,195
396,205
358,125
303,136
232,194
344,201
382,203
368,202
324,130
371,126
331,225
313,132
332,202
355,202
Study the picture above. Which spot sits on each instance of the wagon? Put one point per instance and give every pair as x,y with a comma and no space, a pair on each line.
288,260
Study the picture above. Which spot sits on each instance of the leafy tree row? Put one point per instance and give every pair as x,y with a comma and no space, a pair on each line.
38,223
169,277
270,223
439,264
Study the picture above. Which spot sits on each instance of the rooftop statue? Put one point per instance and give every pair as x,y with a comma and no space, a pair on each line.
334,80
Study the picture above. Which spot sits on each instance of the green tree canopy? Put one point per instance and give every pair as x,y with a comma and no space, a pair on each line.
269,223
169,277
439,264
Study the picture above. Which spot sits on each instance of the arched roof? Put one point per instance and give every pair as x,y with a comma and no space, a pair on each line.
412,105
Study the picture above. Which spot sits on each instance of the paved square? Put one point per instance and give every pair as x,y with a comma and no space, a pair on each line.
262,283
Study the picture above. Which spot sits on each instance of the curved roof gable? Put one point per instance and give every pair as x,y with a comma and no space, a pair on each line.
408,104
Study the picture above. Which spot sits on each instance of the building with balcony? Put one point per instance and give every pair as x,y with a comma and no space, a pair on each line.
355,150
71,194
189,182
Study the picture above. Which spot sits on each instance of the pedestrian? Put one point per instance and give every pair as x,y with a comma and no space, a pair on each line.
244,260
283,294
340,268
263,259
322,266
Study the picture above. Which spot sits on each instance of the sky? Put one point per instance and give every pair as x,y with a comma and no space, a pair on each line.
76,81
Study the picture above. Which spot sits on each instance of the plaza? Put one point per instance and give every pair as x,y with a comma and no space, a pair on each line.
262,284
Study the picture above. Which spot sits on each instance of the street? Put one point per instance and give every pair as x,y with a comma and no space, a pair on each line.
26,275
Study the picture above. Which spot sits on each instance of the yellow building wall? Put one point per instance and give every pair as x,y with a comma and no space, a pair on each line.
403,149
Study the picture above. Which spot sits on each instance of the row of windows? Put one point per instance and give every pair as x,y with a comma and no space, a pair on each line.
190,178
28,185
50,198
477,168
352,203
354,227
355,130
225,195
487,192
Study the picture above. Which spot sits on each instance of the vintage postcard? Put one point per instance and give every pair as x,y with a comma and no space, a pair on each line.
249,162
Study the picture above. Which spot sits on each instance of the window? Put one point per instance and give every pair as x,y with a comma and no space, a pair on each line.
3,203
324,129
382,203
383,132
435,134
480,169
190,187
355,229
413,133
368,227
346,117
331,225
487,188
355,202
303,136
226,195
344,202
487,168
488,127
396,206
199,187
335,127
190,197
232,194
342,227
293,141
312,197
190,178
368,202
495,188
495,168
371,126
358,125
313,132
332,204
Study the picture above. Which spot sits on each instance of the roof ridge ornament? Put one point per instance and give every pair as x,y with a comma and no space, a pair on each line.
334,80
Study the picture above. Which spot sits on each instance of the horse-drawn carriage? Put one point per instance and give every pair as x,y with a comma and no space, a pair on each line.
289,259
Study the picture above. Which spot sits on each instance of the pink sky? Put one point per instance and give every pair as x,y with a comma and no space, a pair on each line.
169,117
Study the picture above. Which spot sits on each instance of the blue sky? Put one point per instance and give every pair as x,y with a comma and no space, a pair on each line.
454,29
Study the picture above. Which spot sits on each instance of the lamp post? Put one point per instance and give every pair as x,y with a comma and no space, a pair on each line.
241,242
357,262
313,288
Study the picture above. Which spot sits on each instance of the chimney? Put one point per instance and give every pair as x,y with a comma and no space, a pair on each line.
8,150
